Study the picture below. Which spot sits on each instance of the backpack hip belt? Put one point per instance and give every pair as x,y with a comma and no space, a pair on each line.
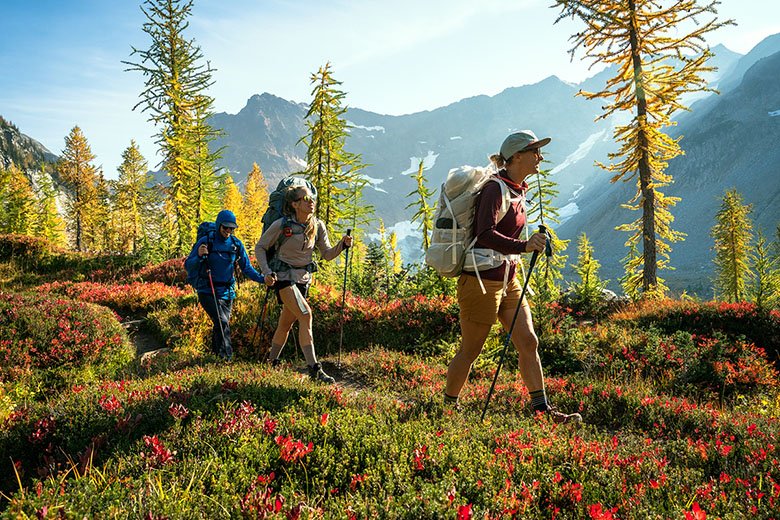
279,266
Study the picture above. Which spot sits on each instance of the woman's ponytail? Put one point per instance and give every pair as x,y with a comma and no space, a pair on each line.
498,160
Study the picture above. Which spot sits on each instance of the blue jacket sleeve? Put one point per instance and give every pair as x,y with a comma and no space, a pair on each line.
246,266
193,259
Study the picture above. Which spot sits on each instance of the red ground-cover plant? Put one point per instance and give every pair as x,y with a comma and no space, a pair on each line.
415,323
170,272
639,455
761,328
136,296
43,332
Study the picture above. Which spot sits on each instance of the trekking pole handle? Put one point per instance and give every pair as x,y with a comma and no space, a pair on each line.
547,244
349,233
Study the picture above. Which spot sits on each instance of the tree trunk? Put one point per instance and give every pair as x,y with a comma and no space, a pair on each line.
649,277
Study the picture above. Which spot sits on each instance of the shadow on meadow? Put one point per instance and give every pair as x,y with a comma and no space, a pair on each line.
91,424
679,399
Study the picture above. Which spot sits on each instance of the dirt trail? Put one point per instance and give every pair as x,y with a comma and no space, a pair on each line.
143,341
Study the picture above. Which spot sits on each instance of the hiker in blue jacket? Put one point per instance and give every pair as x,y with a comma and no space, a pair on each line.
215,255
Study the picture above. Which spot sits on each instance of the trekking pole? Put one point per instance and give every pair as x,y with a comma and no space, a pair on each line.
343,297
261,319
216,304
534,256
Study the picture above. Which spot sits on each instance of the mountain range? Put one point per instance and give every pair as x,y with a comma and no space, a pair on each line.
730,140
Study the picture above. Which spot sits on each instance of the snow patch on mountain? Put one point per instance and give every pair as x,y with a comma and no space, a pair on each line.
414,162
299,161
409,239
374,183
568,211
366,128
581,151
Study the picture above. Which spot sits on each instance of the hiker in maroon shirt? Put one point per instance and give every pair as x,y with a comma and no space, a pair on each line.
485,296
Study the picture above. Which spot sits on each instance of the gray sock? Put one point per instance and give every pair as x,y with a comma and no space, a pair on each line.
308,353
276,349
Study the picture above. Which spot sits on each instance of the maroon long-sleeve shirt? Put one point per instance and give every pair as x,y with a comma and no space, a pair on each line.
502,236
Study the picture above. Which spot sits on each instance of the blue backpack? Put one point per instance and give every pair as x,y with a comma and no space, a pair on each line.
196,273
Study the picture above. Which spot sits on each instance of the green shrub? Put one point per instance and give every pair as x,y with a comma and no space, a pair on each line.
49,339
170,272
25,251
761,328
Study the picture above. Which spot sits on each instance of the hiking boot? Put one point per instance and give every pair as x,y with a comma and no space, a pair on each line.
562,418
275,363
319,375
451,404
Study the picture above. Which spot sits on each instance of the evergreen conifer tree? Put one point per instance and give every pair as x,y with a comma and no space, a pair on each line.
18,204
631,281
135,199
333,171
233,200
48,223
764,284
102,232
548,271
424,213
643,39
176,80
588,292
732,233
253,207
80,177
396,262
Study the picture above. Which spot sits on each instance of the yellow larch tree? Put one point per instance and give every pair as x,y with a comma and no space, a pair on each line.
80,177
660,54
253,207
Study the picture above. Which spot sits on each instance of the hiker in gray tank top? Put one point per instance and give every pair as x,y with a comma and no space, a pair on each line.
289,271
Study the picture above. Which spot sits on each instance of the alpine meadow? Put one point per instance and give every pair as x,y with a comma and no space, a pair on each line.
263,316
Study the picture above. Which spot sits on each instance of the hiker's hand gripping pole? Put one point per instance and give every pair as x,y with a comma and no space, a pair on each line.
534,257
343,296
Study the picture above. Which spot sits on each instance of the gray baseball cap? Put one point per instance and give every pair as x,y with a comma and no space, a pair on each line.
519,141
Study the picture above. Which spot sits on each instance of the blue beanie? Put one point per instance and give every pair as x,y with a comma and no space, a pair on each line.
227,219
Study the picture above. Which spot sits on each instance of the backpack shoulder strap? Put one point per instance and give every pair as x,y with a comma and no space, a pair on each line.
506,196
236,247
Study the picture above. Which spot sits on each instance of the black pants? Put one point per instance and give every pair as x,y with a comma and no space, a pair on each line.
302,287
219,312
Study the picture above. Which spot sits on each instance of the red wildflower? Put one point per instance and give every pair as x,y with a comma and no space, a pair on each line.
597,512
160,455
111,405
178,411
696,513
290,450
464,512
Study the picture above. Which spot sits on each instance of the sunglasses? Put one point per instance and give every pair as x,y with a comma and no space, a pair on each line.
307,198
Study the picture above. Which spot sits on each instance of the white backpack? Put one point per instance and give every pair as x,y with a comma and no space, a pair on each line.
452,248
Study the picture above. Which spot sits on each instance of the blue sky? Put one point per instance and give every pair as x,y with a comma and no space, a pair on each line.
60,61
